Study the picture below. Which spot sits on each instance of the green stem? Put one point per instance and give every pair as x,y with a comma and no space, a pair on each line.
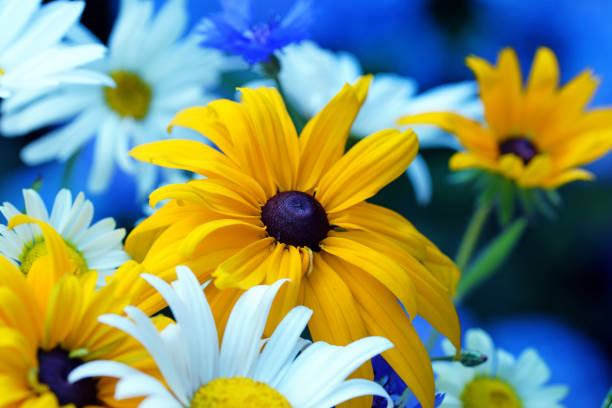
68,170
472,233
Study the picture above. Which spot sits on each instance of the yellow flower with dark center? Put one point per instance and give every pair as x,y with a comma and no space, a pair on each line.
536,135
130,97
277,206
49,326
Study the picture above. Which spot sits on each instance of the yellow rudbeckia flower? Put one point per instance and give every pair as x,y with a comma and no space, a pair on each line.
276,206
535,134
49,326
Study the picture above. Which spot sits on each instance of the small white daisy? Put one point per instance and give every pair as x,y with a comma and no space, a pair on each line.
157,70
33,53
311,76
502,381
246,371
98,246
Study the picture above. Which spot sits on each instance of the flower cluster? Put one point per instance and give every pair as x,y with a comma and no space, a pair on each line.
265,276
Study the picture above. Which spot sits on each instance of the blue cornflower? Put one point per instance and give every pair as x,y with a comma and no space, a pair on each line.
241,30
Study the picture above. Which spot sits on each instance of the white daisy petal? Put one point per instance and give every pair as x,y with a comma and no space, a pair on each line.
351,389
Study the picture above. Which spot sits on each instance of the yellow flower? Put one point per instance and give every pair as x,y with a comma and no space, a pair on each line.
536,135
277,206
48,326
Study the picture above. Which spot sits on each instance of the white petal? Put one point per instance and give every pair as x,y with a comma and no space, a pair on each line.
102,170
245,326
281,344
350,389
35,207
306,375
418,172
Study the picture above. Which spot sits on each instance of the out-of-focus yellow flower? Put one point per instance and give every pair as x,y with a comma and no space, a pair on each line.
535,134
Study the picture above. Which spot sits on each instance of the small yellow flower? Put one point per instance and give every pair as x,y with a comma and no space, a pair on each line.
49,325
536,135
274,205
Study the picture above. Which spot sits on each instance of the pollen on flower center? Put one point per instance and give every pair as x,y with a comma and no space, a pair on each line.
484,392
130,97
53,369
238,392
30,254
519,146
295,218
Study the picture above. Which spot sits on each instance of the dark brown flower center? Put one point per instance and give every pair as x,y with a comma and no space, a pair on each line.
295,218
53,369
520,147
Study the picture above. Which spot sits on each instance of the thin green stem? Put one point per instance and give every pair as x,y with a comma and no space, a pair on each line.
472,233
68,170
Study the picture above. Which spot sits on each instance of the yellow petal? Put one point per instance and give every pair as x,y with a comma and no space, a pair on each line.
434,302
462,161
511,166
335,318
381,267
275,132
536,171
544,76
221,303
383,316
369,166
195,237
60,262
470,133
569,176
199,158
246,268
286,262
16,313
323,140
63,312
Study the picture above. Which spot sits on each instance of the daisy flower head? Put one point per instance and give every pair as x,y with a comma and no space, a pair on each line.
276,206
157,72
242,29
48,326
33,52
310,76
502,381
535,134
242,370
92,247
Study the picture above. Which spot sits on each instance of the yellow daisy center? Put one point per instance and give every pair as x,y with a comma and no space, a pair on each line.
1,71
484,392
519,146
39,249
238,392
130,97
295,218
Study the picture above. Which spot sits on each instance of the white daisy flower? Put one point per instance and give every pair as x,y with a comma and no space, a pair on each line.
98,246
246,370
157,73
33,54
311,76
503,381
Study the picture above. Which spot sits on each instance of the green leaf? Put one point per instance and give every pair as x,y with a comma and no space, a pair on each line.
506,202
608,401
491,258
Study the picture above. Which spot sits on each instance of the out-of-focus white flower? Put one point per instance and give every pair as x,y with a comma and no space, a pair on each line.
33,53
244,370
157,73
311,76
503,381
98,246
